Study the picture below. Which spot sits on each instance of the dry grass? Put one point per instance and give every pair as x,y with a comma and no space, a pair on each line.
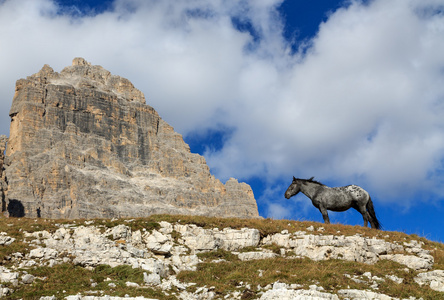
437,250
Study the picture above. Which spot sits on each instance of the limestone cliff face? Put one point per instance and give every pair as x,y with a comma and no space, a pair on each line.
84,144
3,140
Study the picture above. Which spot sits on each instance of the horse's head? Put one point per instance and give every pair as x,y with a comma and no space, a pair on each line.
293,189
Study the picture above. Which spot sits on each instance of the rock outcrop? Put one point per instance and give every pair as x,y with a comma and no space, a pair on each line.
84,144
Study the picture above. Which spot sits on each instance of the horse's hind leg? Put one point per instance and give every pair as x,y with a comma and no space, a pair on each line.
324,215
365,217
364,213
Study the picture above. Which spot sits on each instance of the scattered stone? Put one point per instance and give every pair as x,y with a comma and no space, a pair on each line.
435,279
4,291
28,279
43,253
395,278
423,262
314,287
233,240
7,275
151,279
158,243
80,297
132,284
360,294
256,255
282,293
5,240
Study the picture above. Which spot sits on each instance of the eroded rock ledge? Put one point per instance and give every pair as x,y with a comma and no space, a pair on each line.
84,144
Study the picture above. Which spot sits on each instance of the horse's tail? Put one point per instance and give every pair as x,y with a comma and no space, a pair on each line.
371,212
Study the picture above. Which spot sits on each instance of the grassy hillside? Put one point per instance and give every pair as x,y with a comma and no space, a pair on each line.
220,271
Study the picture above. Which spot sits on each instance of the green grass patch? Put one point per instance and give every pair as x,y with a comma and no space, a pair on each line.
67,279
135,224
218,254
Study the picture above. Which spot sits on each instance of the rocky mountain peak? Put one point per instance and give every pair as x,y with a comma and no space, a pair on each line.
81,74
80,61
83,143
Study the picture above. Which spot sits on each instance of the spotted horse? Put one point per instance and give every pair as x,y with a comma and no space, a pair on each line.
335,199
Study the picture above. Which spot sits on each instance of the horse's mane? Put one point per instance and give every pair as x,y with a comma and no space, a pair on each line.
312,181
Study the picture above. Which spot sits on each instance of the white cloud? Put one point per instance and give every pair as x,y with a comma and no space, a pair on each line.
365,102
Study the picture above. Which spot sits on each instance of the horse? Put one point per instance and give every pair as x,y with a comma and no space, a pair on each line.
335,199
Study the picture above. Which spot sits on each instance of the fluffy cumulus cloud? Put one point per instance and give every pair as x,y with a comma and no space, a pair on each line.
362,101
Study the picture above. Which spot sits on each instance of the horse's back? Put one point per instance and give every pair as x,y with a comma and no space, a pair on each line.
340,198
356,192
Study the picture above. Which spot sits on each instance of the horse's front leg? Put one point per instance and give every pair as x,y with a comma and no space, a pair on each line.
325,215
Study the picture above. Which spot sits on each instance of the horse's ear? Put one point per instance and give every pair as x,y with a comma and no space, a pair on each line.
294,179
311,178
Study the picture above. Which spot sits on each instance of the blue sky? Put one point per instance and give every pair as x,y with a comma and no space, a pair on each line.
351,92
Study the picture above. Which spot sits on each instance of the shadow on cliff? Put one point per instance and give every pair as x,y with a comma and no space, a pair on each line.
16,208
